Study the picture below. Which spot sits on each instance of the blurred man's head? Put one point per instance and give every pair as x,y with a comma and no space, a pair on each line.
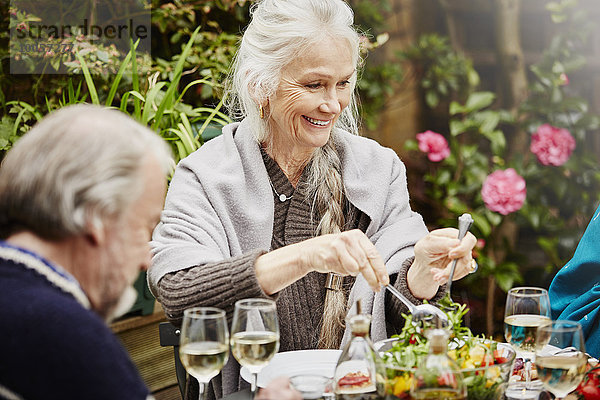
94,179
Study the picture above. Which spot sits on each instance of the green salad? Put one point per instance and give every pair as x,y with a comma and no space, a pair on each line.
484,364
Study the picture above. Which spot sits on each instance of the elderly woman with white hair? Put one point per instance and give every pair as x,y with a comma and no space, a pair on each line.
290,203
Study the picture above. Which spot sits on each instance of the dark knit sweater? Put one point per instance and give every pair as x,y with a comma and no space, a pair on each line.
52,347
300,305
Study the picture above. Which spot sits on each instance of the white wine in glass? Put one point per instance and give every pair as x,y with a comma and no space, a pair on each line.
254,335
520,331
526,309
204,344
560,356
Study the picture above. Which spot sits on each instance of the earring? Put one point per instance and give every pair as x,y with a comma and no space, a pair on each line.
261,112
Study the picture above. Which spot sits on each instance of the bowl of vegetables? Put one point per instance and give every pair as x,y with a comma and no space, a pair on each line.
485,364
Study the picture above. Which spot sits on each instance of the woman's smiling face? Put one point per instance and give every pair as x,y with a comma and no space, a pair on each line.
314,89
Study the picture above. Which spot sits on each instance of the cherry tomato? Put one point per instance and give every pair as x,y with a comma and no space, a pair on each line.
498,358
589,392
589,388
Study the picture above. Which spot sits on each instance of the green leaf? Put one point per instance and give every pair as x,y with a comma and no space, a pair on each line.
189,85
135,82
432,99
479,100
444,177
489,121
456,127
411,145
211,110
186,123
137,95
507,274
88,79
494,218
102,56
497,140
482,224
149,104
123,106
28,107
211,116
169,95
120,72
456,108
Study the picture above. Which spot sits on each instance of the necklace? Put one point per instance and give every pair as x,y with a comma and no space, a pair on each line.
282,197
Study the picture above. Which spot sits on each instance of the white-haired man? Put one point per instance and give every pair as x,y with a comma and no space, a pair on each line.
79,197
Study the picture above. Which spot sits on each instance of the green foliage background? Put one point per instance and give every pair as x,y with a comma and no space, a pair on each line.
177,91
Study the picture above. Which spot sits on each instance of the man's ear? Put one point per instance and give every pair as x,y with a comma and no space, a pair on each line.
94,231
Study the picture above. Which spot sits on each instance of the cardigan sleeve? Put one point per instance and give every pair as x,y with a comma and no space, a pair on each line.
217,284
394,308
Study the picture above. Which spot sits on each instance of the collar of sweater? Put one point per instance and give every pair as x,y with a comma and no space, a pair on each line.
53,273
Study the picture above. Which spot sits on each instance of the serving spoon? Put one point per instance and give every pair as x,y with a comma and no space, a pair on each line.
422,311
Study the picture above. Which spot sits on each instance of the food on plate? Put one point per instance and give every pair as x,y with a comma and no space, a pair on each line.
519,371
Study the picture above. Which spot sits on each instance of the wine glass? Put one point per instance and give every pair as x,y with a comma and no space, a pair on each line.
254,335
204,344
560,356
526,309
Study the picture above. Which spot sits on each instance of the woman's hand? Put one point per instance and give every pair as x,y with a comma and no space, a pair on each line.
345,253
433,260
279,389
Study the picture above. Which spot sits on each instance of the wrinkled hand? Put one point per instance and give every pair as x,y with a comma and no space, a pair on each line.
346,253
436,251
278,389
433,259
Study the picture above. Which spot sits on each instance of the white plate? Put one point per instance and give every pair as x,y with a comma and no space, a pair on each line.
290,363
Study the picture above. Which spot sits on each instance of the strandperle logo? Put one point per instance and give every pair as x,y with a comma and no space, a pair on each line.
108,31
50,36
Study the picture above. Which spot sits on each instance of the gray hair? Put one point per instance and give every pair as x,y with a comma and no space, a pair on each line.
279,31
78,165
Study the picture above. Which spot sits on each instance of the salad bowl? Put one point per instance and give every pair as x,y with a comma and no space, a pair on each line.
485,366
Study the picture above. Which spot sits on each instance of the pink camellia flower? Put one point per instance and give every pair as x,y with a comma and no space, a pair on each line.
434,144
552,145
504,191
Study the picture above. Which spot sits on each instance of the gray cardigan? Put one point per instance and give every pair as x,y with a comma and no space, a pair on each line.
220,205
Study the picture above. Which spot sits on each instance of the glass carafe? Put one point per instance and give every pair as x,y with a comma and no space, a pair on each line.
438,376
359,374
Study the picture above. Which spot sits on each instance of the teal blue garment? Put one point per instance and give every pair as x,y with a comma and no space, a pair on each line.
575,290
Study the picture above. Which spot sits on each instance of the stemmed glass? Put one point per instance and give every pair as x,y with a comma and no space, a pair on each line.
204,344
560,356
526,309
254,335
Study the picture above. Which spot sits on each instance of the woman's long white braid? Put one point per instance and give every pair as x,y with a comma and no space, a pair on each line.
329,200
